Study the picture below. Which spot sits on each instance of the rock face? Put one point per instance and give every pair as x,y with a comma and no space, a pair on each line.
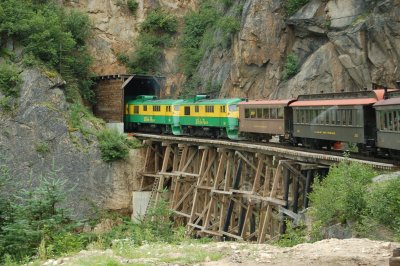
36,140
341,45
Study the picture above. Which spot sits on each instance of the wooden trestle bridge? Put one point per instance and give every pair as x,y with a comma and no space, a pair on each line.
232,190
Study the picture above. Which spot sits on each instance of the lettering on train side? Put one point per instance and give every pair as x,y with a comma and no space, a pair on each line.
149,119
201,121
325,132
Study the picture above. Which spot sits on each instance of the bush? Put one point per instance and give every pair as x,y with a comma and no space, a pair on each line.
155,35
340,197
160,22
291,66
291,6
42,147
9,80
229,25
196,25
383,201
113,145
292,236
132,5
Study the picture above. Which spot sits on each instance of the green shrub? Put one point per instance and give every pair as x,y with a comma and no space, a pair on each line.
291,6
113,145
160,22
292,236
123,58
42,147
340,196
146,59
155,35
291,66
9,80
132,5
82,119
229,25
383,201
196,24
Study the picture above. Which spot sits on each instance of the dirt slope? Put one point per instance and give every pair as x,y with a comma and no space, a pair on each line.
326,252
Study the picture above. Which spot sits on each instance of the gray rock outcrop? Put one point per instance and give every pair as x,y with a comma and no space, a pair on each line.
36,140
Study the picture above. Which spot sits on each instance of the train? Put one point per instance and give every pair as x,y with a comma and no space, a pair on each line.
367,121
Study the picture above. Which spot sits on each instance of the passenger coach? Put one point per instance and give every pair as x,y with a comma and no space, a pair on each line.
321,120
388,123
262,119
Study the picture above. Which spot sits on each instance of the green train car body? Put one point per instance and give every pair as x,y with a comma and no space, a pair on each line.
197,116
207,117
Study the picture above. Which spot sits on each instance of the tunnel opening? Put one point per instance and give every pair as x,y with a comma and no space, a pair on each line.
137,85
142,85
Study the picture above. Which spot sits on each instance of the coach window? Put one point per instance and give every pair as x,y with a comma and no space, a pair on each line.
196,109
390,121
252,113
168,109
145,108
333,118
266,113
222,108
136,109
273,113
280,113
298,116
259,113
326,112
350,115
246,113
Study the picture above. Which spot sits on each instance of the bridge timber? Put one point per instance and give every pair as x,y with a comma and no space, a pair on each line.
232,190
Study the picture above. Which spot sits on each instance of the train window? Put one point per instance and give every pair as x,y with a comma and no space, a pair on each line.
273,113
259,113
177,108
252,113
344,117
168,108
327,116
209,109
156,108
196,109
187,110
298,116
144,107
232,108
280,113
350,116
266,113
246,113
222,109
333,117
136,109
390,119
395,124
338,117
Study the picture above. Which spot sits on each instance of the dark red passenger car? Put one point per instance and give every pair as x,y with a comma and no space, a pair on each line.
262,119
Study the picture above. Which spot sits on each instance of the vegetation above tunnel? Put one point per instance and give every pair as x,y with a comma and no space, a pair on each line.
52,37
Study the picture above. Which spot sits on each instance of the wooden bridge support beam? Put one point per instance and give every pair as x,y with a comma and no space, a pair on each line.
226,193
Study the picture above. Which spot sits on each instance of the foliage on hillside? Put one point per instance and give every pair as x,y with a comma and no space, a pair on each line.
348,196
52,36
204,29
155,34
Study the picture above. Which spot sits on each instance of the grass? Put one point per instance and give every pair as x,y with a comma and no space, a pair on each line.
185,253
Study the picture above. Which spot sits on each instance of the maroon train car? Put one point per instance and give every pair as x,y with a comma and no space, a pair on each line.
262,119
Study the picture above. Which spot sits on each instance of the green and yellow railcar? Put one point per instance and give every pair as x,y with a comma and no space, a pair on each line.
149,114
204,117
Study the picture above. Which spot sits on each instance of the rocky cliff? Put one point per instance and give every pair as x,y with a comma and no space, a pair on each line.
340,45
36,140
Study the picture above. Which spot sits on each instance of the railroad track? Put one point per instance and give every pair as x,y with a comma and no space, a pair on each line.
289,152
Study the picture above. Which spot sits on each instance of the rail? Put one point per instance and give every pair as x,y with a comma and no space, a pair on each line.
287,152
